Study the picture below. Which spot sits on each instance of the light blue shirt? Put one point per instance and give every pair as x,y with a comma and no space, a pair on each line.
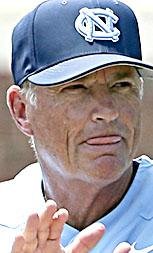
131,220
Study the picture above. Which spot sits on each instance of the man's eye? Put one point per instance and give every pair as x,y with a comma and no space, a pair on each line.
74,87
122,85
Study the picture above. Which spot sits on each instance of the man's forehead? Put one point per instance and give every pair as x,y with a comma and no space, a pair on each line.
117,72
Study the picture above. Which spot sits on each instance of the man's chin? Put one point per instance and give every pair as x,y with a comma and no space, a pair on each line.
106,167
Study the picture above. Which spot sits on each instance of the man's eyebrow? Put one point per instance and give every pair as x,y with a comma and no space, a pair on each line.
120,75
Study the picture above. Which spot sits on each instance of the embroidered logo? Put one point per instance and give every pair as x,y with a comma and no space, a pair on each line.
144,250
97,24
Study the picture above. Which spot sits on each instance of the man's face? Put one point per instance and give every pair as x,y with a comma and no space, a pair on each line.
89,128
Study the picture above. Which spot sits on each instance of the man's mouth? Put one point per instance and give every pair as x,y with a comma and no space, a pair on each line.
103,145
104,140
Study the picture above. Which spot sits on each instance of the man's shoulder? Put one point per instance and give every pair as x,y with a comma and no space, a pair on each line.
145,165
23,179
144,176
144,160
20,195
144,181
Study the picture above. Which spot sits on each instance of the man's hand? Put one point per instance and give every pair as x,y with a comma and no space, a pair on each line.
42,234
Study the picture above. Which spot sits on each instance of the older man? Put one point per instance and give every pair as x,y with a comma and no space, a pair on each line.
79,84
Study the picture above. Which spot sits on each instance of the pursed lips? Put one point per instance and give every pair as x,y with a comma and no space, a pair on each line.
103,144
104,140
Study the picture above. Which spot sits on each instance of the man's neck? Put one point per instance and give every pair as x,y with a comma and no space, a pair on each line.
85,202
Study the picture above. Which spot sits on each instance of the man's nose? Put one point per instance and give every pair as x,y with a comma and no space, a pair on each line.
105,108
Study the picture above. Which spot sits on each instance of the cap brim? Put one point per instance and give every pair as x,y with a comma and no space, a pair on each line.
77,67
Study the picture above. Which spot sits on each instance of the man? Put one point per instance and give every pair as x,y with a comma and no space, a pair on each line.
78,89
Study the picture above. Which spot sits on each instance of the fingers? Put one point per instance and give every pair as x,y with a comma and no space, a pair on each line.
51,223
28,241
42,233
30,233
18,244
59,219
51,226
45,221
87,239
123,247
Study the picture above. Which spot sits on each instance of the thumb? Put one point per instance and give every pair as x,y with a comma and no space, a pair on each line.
87,239
123,247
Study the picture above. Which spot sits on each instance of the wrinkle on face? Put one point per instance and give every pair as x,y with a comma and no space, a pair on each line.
63,120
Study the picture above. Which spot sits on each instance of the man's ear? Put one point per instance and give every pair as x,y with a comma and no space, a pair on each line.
17,107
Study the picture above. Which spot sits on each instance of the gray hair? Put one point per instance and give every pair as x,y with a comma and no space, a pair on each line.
28,90
141,87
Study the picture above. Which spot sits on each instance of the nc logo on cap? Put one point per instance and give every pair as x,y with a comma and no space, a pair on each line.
97,24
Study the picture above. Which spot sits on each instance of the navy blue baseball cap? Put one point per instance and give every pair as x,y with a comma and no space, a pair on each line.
62,40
